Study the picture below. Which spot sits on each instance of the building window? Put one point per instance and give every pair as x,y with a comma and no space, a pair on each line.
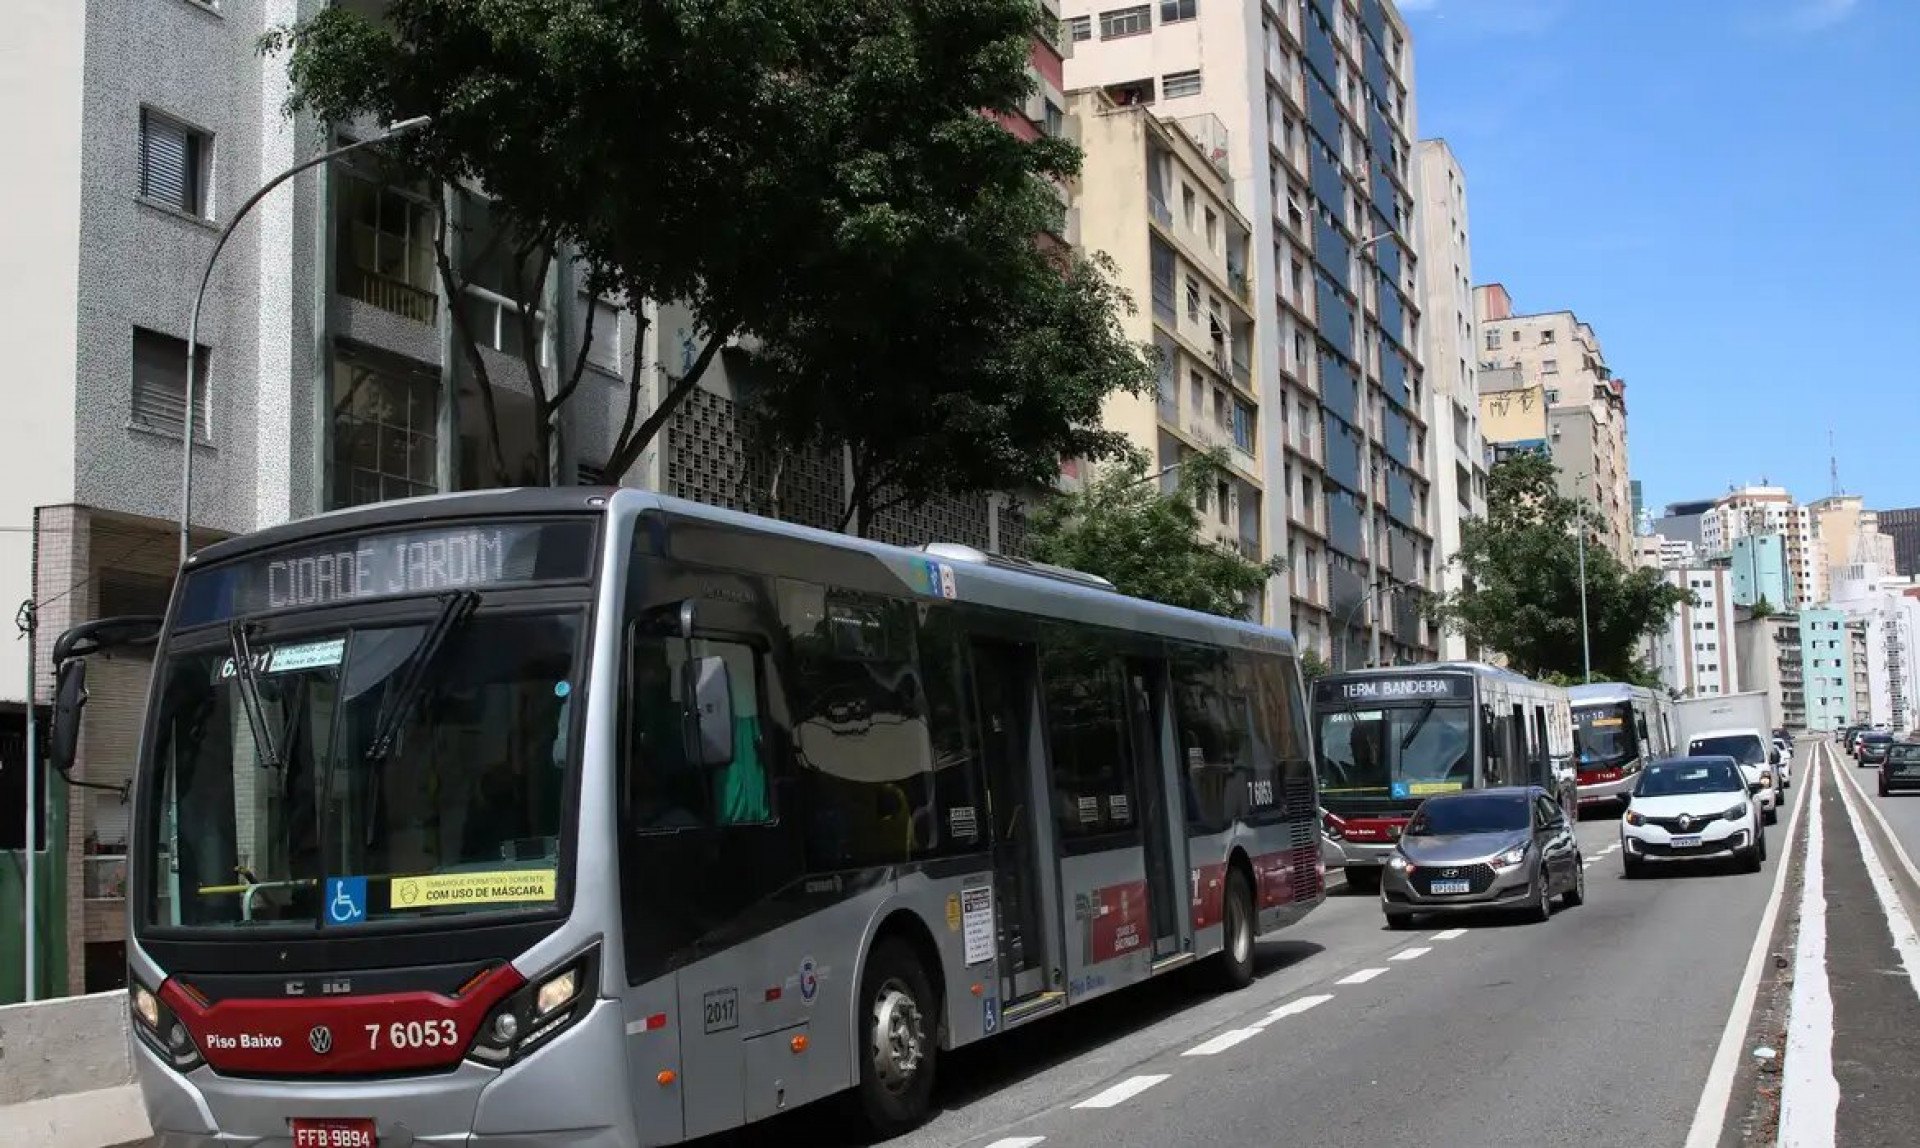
160,385
1546,336
1553,395
1549,366
1079,28
1193,299
606,351
496,288
1173,85
1243,426
1174,11
384,248
174,163
1134,21
1493,339
1055,120
1212,229
385,424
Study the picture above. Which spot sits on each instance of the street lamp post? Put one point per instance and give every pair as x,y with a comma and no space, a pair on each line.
206,275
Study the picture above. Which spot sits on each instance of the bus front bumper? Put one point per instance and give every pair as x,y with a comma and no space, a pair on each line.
573,1090
1365,854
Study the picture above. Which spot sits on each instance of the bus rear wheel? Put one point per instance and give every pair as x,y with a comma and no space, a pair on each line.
899,1038
1233,968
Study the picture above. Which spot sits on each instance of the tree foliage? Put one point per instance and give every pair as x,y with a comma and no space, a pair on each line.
1146,541
816,174
1521,590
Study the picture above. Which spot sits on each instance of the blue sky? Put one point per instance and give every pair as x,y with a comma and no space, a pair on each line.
1729,192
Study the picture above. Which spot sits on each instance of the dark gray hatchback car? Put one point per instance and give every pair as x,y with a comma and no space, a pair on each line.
1484,849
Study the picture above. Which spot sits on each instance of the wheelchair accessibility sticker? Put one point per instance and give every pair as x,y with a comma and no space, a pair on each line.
346,900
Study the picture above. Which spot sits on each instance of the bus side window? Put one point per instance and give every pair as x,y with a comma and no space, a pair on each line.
1211,740
664,790
1640,733
1091,767
1260,680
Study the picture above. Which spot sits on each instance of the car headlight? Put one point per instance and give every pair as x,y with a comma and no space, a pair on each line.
1736,813
1511,858
1634,817
1398,863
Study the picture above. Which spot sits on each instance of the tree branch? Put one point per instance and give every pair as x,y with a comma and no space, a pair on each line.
627,449
451,285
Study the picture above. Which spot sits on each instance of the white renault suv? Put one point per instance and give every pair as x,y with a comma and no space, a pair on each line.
1692,807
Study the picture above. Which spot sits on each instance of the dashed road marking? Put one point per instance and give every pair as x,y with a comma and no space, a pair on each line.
1294,1008
1223,1042
1409,954
1017,1142
1449,934
1122,1092
1359,978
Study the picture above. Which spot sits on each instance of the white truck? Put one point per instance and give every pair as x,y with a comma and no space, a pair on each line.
1739,726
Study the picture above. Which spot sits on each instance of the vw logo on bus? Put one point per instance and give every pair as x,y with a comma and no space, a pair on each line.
320,1040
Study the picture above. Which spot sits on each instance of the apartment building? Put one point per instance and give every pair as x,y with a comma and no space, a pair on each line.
1861,670
1456,460
1768,650
1770,511
1903,526
1313,108
328,375
1153,195
1696,653
1761,572
1513,412
1850,535
1827,653
1887,608
1586,404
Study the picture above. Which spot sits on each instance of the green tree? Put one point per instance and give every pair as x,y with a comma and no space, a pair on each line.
1763,609
784,168
1313,666
1121,526
1521,592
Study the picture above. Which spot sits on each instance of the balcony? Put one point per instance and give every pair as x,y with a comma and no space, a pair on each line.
1210,134
402,299
104,877
1162,214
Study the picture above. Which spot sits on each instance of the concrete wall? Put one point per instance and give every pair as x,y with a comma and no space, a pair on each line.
66,1079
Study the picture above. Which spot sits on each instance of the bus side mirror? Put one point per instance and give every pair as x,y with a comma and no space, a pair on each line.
69,699
709,694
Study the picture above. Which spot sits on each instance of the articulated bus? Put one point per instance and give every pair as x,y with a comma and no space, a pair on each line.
1387,739
593,817
1617,729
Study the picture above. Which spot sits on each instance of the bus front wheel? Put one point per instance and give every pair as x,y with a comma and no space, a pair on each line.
899,1034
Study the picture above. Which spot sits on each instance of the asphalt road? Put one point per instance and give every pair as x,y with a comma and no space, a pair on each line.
1598,1026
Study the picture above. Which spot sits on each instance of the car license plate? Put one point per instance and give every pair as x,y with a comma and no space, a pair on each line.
1691,841
1449,887
351,1133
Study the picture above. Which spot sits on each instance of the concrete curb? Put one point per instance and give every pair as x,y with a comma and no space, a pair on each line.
98,1119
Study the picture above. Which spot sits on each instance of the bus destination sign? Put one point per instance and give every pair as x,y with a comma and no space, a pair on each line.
1394,689
388,564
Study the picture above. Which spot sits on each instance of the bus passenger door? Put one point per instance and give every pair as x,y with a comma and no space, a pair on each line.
1004,685
1162,830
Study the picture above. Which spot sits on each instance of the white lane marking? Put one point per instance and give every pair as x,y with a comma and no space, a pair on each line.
1449,934
1809,1094
1710,1115
1905,940
1409,954
1017,1142
1122,1092
1899,850
1613,848
1293,1008
1223,1042
1359,978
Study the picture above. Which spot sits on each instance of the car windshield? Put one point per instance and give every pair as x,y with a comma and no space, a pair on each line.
1604,735
1396,751
333,804
1470,813
1745,748
1672,779
1878,738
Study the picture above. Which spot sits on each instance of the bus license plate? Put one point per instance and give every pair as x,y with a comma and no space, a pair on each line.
1689,842
1450,886
354,1133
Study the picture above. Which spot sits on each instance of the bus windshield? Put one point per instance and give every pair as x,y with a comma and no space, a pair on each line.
363,774
1604,736
1396,751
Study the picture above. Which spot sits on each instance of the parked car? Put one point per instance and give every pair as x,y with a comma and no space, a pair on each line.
1901,770
1873,747
1511,848
1690,808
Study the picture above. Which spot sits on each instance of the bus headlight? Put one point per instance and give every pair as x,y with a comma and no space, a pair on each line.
538,1012
160,1030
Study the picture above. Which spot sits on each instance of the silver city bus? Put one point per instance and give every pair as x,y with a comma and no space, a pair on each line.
1617,729
596,817
1387,739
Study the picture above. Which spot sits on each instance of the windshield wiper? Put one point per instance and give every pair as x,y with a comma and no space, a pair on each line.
457,608
248,684
1419,723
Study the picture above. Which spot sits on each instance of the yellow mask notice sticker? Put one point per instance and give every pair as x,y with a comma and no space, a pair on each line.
1426,788
447,889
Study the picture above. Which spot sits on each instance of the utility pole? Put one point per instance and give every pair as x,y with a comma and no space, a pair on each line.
1586,649
29,933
